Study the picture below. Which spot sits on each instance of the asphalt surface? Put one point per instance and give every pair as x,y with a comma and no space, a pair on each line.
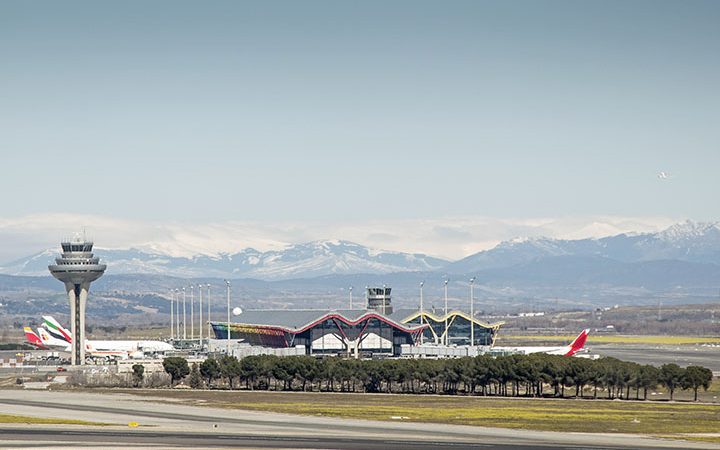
175,425
682,355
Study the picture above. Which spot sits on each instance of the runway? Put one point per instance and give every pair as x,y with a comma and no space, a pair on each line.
29,438
683,355
176,425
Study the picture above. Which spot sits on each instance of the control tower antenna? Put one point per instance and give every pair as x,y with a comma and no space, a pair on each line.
77,268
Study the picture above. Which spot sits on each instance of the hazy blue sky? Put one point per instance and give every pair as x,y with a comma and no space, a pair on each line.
336,111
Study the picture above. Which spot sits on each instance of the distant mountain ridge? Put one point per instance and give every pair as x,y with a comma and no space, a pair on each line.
307,260
687,243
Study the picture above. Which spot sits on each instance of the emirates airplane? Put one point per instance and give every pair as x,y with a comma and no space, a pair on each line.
55,336
567,350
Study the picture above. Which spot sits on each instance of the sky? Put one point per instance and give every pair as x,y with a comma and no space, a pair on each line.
283,121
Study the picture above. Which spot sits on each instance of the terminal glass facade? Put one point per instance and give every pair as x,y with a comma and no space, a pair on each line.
454,329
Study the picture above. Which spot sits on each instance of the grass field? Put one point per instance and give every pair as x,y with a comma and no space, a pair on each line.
12,418
536,414
613,339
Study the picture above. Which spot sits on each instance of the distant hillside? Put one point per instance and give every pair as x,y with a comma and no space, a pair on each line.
681,260
296,261
689,242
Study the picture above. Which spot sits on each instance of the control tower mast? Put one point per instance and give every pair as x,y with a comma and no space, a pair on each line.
77,268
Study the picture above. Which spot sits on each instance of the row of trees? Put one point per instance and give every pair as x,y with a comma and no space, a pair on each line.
534,375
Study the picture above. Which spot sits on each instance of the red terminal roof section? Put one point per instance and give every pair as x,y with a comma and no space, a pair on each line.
336,316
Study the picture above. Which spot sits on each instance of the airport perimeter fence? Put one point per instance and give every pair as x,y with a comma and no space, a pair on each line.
536,375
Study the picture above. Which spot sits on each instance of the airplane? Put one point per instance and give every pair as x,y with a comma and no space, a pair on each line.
129,346
567,350
55,336
56,330
51,342
34,339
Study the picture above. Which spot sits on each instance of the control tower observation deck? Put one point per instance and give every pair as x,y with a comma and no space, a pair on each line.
77,268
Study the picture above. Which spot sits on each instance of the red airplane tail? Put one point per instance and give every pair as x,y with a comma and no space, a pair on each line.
578,343
33,338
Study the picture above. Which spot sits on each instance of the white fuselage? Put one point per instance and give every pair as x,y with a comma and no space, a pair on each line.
106,348
131,346
566,350
528,350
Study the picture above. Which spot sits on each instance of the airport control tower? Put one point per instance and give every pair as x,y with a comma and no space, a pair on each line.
378,299
77,268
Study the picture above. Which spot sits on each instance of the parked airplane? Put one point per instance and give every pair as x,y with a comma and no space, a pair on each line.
567,350
33,338
56,330
48,341
55,336
52,342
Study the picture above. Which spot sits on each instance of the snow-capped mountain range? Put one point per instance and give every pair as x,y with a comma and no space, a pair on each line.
688,242
296,261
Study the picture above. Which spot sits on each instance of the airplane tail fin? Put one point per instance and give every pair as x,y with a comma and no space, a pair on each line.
44,336
33,338
57,330
579,342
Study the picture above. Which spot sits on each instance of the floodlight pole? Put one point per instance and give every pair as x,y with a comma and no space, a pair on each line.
177,313
207,299
200,313
192,309
227,283
446,312
184,316
172,300
351,305
422,283
472,312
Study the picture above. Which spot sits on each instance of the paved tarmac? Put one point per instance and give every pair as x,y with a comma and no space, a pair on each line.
176,425
683,355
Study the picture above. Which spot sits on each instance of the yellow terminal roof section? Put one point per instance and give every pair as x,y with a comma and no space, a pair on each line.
450,316
446,321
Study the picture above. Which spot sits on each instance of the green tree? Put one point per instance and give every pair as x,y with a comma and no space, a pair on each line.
138,374
344,373
285,370
648,378
482,372
251,368
210,370
195,378
578,374
373,377
671,376
230,369
697,377
307,370
176,367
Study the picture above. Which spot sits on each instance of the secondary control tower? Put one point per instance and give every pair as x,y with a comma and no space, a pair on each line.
77,268
378,299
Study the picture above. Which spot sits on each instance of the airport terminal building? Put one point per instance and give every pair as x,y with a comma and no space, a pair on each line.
323,332
377,330
453,328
